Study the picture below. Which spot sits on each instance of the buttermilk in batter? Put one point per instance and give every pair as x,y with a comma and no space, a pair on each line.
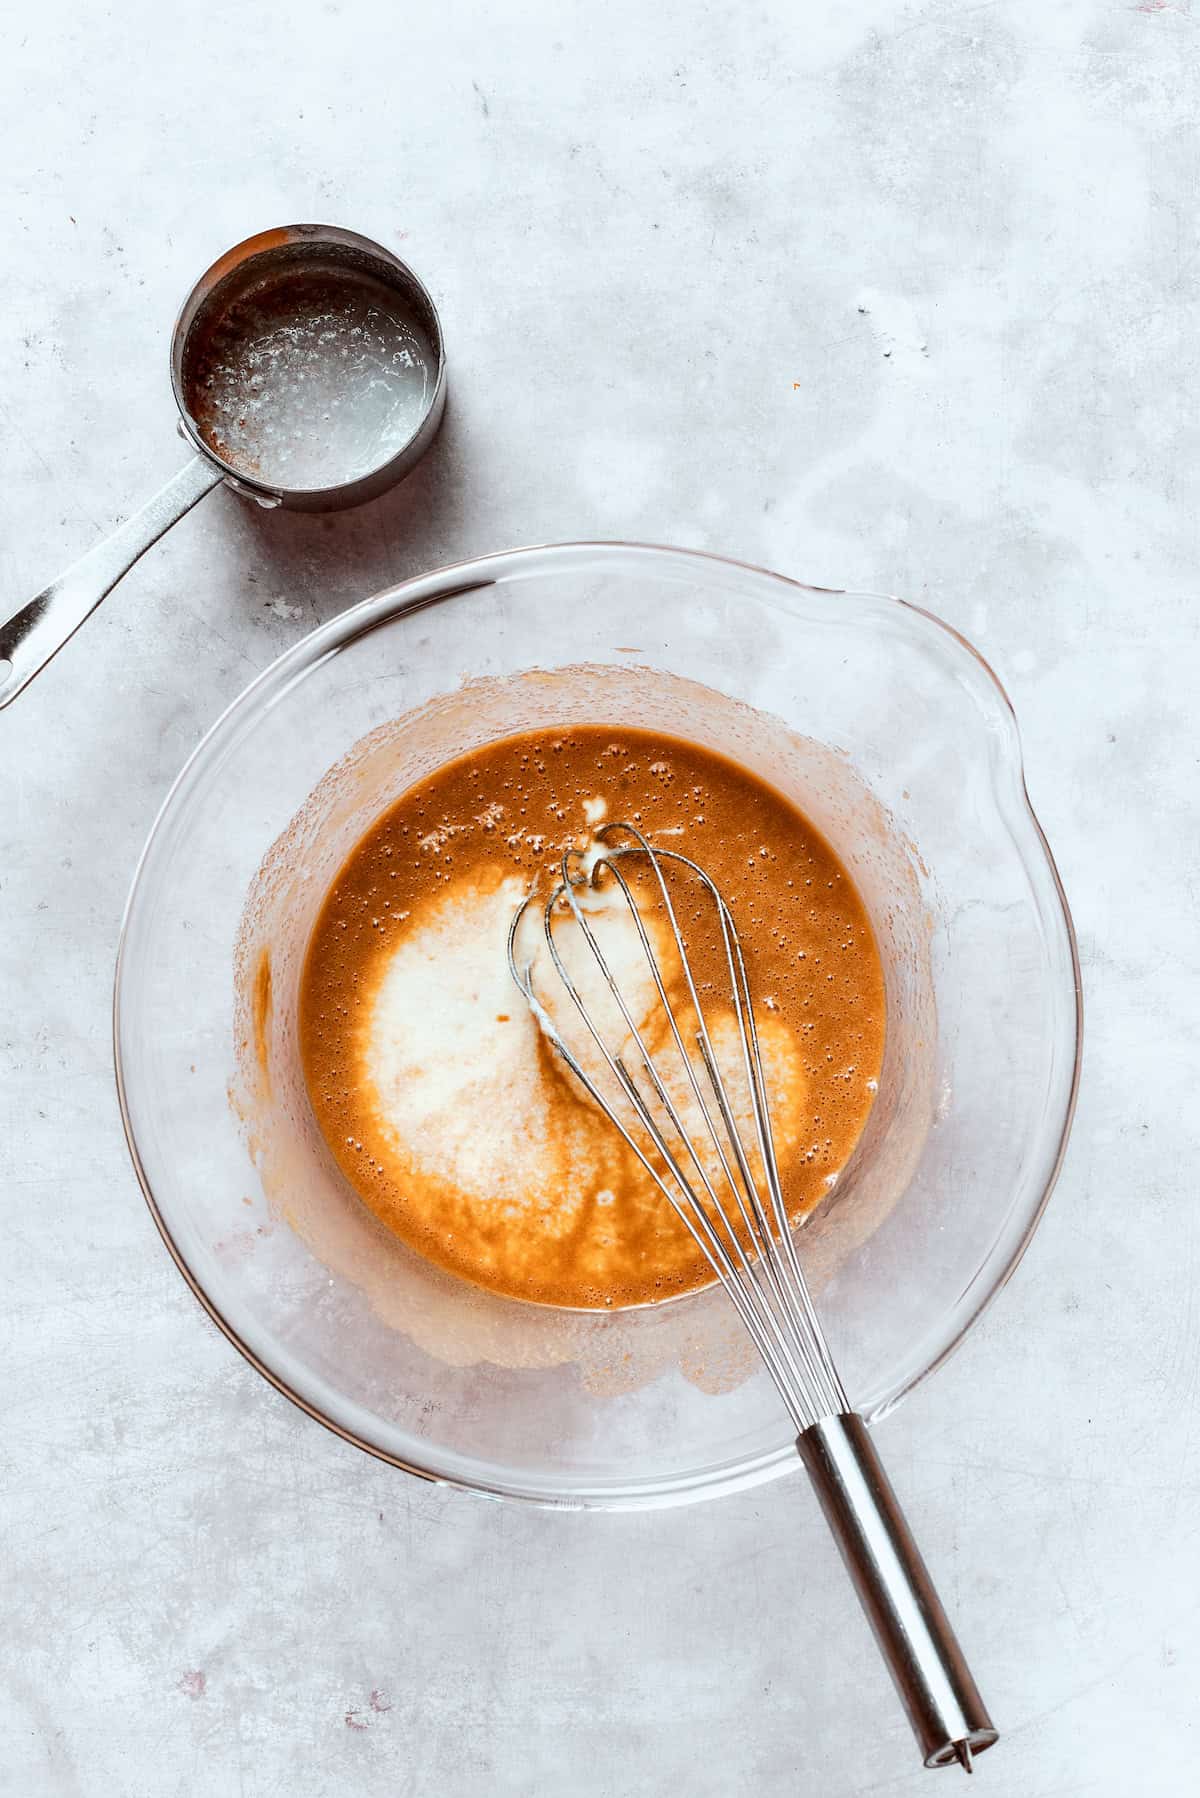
434,1087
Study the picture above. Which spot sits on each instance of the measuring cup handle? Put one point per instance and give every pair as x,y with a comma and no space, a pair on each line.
38,631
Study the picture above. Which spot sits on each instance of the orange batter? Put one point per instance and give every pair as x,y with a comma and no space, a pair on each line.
438,1096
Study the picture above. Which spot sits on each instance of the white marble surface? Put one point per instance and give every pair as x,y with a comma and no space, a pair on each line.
879,294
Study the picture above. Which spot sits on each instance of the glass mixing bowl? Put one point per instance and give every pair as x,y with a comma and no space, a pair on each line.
884,725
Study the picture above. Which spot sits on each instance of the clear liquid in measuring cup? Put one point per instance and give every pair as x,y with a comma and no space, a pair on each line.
317,379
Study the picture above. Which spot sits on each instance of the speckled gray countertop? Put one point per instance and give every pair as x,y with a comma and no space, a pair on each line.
882,295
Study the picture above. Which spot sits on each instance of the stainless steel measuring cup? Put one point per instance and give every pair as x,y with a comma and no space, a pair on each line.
308,368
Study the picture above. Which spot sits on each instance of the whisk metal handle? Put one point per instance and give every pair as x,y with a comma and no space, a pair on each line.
922,1653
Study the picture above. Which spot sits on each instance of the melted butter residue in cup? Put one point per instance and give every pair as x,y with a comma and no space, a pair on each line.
319,380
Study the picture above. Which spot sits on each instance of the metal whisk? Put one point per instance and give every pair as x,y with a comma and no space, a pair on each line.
687,1119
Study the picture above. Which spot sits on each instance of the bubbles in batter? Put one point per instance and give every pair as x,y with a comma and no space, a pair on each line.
431,1081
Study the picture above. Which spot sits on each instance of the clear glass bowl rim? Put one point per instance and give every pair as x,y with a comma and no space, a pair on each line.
431,588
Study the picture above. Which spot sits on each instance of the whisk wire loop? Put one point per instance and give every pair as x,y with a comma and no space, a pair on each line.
679,1191
748,1243
757,1270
